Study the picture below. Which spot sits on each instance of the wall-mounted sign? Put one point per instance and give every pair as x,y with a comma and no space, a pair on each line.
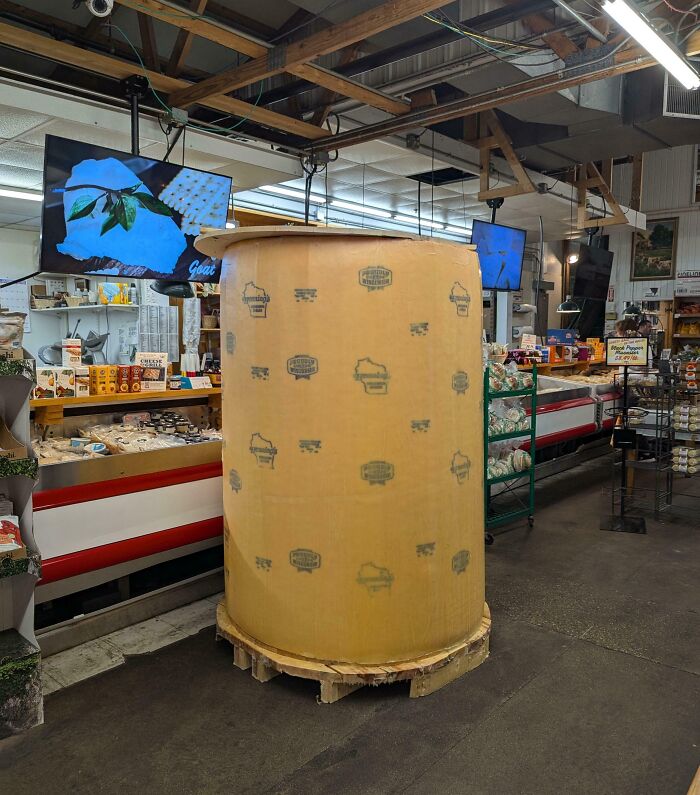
687,281
528,342
627,351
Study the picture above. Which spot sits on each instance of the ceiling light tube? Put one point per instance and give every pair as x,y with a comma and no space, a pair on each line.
412,219
635,24
458,230
360,208
21,194
314,198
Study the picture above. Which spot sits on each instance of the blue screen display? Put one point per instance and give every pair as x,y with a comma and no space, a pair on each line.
114,213
501,250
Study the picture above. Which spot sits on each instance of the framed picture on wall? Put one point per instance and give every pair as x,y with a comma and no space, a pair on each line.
654,250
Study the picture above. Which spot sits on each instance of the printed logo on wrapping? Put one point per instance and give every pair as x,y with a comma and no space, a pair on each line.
309,445
460,382
265,564
234,480
425,550
460,466
374,578
263,450
377,472
256,299
259,373
305,560
375,278
230,342
461,299
302,366
460,561
420,426
305,295
419,329
373,376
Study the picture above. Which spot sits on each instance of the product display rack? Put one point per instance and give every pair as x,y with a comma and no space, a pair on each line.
686,323
21,704
494,516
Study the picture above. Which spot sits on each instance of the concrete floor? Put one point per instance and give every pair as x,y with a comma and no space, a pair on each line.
592,686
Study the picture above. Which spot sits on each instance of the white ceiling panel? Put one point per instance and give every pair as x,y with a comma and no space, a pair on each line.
14,122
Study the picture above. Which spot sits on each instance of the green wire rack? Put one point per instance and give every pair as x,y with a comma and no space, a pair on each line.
494,518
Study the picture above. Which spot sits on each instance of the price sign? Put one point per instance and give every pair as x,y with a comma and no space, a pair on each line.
627,351
528,342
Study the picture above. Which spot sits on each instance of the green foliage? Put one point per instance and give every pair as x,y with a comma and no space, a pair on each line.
121,206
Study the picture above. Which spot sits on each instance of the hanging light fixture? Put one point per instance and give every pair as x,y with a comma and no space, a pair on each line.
568,307
631,310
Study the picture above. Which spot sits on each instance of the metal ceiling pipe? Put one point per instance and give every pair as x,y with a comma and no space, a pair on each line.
582,21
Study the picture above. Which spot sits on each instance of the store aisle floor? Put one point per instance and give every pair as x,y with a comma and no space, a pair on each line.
592,686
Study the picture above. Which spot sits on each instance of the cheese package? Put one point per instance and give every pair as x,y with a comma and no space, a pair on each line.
45,383
10,538
65,382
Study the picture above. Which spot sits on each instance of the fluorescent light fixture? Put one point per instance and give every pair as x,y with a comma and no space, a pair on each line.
635,24
360,208
458,230
413,219
314,198
21,194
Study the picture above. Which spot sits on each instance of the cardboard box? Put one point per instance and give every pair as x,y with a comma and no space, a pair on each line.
45,383
11,353
71,352
560,336
9,446
82,381
65,382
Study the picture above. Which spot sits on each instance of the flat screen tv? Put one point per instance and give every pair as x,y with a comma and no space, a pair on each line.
592,273
501,250
116,214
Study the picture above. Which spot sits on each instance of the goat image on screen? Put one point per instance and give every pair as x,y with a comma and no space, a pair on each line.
501,250
114,213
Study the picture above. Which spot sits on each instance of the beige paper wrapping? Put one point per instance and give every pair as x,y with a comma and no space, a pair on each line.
353,464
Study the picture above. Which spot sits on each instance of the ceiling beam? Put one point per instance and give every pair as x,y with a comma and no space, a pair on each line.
692,46
183,42
148,42
558,42
61,52
284,58
186,20
627,60
329,97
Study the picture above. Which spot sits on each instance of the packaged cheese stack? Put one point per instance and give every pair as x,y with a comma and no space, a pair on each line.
686,417
686,460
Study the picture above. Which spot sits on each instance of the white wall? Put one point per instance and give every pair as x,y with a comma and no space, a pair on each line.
19,255
668,188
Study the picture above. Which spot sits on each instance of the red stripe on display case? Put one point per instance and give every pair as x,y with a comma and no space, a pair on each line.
71,495
75,563
562,436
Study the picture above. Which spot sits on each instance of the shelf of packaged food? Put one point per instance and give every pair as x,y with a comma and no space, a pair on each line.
127,397
512,476
511,393
88,307
501,437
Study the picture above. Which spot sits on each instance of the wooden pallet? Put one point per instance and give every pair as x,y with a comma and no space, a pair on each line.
427,674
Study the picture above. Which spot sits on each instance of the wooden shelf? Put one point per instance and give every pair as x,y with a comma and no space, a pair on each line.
210,330
562,365
686,336
681,315
126,397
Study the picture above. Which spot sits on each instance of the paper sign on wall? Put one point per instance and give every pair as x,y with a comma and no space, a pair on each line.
627,351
